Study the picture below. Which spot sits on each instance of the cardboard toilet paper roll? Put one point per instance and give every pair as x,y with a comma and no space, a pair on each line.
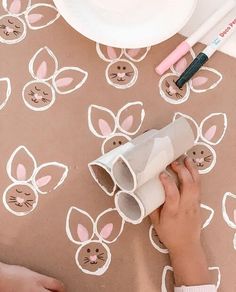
134,207
147,159
100,168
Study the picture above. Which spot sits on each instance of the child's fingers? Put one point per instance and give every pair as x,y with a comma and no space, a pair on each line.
155,217
183,173
192,169
52,284
172,194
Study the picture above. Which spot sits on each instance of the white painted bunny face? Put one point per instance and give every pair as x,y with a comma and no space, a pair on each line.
115,129
121,73
229,212
93,256
206,79
207,216
30,180
167,285
21,15
40,93
210,133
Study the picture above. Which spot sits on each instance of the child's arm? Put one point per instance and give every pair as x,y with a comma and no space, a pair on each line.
178,226
15,278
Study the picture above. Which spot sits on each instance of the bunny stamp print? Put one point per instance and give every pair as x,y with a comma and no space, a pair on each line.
206,79
229,212
121,71
29,180
93,256
210,132
21,16
40,93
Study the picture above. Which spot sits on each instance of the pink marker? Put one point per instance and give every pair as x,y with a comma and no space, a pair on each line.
186,45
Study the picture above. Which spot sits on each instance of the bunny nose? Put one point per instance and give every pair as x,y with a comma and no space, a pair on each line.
20,200
199,160
172,90
93,258
8,29
121,75
37,96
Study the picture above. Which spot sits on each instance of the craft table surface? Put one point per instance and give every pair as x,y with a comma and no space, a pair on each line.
204,9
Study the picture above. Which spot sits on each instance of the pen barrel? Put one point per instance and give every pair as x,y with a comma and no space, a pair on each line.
192,69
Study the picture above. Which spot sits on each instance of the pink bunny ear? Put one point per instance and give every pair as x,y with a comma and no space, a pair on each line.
111,53
104,127
79,225
82,233
33,18
199,81
181,65
49,176
106,231
43,181
127,123
101,121
42,70
15,7
41,15
21,165
210,133
133,52
64,82
21,172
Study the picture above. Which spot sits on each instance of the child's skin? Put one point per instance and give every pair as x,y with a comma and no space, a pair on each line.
178,225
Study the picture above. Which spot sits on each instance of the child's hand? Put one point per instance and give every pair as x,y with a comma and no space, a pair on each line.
20,279
178,225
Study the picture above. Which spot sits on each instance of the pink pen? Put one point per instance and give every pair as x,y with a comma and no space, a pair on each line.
186,45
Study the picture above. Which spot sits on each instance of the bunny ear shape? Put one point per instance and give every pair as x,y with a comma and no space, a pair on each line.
183,63
206,79
216,275
108,54
16,7
167,279
43,65
156,243
49,176
229,209
192,123
41,15
109,226
101,121
213,128
210,214
69,79
136,55
21,165
5,91
130,118
79,226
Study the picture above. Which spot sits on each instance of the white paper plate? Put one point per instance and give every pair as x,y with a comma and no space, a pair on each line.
127,23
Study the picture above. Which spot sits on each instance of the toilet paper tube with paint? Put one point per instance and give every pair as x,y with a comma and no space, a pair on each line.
100,168
136,171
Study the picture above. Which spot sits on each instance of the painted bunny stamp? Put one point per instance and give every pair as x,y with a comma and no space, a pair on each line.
22,15
167,278
5,91
29,180
159,246
229,214
115,129
93,256
206,79
209,133
40,93
121,71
